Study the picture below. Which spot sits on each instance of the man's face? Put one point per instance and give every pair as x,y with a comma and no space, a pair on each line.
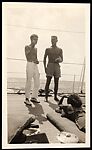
34,40
53,40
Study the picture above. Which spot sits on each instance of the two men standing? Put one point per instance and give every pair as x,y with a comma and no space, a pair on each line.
55,56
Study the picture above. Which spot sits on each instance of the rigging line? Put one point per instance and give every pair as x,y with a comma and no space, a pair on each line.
44,73
17,72
72,63
16,59
38,28
42,61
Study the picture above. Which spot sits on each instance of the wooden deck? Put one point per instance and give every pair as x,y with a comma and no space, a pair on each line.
18,113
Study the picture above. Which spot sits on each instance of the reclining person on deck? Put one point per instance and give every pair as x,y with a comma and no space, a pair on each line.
73,110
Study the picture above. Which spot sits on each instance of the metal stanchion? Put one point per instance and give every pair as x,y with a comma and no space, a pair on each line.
73,84
83,79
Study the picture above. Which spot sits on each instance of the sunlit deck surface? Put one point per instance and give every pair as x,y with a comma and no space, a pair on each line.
18,113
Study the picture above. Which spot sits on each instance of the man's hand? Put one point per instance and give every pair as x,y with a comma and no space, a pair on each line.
36,62
59,59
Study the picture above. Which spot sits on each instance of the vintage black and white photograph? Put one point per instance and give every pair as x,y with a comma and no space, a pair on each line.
46,61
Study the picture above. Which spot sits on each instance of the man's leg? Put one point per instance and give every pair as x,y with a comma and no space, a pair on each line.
47,87
28,81
56,81
36,78
28,86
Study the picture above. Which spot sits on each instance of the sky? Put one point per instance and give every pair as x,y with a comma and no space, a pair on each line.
69,22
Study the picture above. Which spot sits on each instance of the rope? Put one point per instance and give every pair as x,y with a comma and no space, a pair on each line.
42,61
38,28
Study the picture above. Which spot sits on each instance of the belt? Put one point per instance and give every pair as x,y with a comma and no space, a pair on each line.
30,61
51,62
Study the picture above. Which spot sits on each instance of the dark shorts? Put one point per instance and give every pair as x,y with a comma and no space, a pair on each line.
53,69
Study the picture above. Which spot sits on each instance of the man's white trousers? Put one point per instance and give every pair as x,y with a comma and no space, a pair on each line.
32,72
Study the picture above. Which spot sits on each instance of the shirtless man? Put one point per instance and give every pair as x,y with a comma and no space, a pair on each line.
32,70
55,56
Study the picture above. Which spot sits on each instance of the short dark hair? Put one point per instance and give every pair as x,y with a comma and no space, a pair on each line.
74,100
33,35
54,37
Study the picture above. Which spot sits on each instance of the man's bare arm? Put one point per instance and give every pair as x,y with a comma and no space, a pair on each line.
36,61
44,60
27,50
